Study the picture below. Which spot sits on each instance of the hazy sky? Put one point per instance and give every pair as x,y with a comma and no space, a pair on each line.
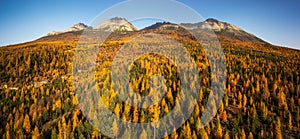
276,21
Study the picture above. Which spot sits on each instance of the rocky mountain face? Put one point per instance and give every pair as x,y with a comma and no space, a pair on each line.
212,24
79,26
76,27
164,26
110,25
223,29
120,24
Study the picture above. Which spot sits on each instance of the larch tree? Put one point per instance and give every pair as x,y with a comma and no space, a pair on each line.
243,135
278,134
115,128
26,124
290,123
143,135
250,135
174,134
226,136
36,133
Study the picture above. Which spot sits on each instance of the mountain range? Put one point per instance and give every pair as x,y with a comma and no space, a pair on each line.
123,25
228,34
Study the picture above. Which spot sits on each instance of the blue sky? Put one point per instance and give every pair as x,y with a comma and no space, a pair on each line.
276,21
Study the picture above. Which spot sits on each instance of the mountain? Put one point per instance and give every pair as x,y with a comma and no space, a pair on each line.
110,25
116,23
223,29
79,26
163,26
76,27
220,28
212,24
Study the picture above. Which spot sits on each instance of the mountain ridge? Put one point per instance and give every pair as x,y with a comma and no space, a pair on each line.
238,34
76,27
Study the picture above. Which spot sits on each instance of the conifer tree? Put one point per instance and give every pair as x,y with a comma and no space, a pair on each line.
26,124
278,134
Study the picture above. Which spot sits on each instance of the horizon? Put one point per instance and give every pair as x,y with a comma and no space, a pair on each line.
45,19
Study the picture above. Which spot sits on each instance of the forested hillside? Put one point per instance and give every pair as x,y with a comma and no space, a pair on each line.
37,98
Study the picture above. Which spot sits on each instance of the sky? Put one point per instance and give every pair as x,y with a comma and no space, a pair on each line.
275,21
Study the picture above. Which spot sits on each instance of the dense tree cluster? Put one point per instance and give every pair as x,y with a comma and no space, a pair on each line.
38,100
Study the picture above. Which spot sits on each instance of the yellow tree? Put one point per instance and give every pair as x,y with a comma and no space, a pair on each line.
7,134
282,99
219,129
278,134
115,128
26,124
64,127
224,116
75,120
203,134
117,110
243,135
60,131
226,136
143,135
36,133
186,132
174,134
95,134
135,115
250,135
194,136
290,123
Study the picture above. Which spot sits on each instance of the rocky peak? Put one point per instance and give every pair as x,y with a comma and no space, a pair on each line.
116,23
76,27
